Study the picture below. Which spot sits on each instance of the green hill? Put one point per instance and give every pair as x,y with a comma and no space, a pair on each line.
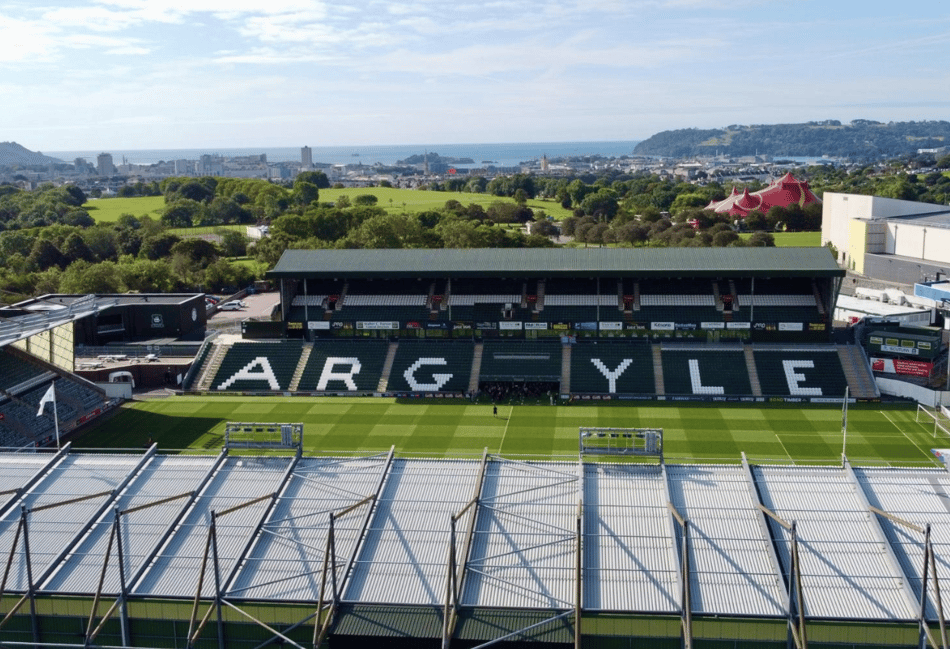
859,139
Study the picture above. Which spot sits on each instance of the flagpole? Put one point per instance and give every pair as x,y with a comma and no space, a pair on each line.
56,418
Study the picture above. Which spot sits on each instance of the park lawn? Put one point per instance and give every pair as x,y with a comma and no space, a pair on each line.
398,201
108,210
792,239
433,427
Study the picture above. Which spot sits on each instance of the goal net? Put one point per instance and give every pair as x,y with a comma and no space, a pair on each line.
253,435
621,441
940,418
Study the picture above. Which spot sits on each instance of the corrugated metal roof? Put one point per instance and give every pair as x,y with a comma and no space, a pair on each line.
523,548
845,572
142,530
403,557
287,560
731,571
628,545
551,262
52,530
921,497
176,567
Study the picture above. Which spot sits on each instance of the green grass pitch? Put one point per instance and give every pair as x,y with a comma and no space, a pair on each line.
435,428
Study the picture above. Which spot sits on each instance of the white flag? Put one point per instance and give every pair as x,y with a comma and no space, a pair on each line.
49,397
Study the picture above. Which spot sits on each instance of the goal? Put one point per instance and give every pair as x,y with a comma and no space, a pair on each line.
621,441
940,418
254,435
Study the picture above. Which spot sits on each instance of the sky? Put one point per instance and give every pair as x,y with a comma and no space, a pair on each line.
142,74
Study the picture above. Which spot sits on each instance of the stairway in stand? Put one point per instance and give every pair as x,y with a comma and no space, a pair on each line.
383,384
212,363
566,369
476,367
301,364
753,371
860,380
658,371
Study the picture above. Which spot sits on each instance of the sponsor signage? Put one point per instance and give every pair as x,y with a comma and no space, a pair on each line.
817,326
685,326
877,340
611,326
561,326
896,349
535,325
295,325
158,321
412,324
737,325
462,326
486,325
585,326
790,326
318,324
507,325
662,326
437,325
901,366
712,325
378,325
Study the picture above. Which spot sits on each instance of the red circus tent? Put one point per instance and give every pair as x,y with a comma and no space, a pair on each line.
783,192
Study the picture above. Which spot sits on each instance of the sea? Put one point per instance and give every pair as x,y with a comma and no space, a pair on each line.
509,154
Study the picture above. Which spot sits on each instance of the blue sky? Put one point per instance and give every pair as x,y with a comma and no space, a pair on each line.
134,74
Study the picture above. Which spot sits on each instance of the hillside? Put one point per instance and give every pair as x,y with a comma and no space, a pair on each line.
859,139
16,155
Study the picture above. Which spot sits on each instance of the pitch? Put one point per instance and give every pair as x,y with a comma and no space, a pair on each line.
700,433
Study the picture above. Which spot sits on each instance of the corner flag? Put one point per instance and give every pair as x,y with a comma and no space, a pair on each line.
49,397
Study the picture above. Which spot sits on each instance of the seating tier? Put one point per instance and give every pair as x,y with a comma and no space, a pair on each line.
612,367
705,373
344,366
800,373
250,366
513,360
431,366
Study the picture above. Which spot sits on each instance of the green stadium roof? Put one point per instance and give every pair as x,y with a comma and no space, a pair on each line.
554,262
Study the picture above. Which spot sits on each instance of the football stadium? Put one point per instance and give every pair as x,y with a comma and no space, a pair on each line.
436,448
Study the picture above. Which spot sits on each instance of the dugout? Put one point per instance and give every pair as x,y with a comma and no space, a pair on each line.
667,294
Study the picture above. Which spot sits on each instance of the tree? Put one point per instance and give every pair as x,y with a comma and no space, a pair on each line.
74,248
158,246
521,197
45,255
761,239
317,178
83,277
305,193
233,244
365,199
182,213
343,201
601,204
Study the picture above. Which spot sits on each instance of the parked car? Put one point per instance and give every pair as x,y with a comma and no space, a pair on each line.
231,306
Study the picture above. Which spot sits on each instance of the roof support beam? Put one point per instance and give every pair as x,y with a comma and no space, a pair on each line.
888,550
681,560
455,570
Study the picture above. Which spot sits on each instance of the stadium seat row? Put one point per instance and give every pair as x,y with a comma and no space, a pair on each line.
604,367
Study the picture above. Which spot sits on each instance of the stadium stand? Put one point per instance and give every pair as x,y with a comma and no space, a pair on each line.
14,372
250,366
344,366
516,360
431,366
612,367
705,372
800,373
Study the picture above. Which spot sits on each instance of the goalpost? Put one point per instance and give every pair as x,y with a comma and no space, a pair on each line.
940,418
621,441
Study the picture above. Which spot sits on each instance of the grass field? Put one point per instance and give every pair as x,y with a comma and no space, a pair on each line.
443,429
792,239
108,210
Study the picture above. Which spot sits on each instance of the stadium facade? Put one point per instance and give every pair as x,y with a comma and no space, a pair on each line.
150,550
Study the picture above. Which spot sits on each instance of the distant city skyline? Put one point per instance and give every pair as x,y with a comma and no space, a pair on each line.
135,74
